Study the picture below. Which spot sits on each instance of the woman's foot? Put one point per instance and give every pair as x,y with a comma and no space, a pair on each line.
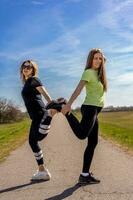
41,176
62,100
56,104
90,179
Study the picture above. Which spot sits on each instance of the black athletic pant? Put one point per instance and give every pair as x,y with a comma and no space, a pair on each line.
87,128
35,136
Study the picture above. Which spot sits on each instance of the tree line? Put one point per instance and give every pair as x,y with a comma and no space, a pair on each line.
9,112
112,109
117,108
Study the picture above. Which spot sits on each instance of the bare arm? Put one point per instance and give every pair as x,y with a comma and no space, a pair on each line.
75,94
44,92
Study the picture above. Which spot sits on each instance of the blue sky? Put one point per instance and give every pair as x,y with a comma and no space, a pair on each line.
58,35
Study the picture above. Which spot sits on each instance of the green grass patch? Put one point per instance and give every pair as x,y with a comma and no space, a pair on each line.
116,126
12,135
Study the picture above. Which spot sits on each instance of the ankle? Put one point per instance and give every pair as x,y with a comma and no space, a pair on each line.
52,112
41,168
85,173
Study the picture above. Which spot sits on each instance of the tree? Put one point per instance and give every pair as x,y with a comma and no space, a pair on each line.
9,112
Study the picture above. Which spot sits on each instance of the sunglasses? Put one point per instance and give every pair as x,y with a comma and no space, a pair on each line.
27,65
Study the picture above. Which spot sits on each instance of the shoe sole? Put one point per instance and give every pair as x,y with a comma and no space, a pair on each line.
87,183
39,180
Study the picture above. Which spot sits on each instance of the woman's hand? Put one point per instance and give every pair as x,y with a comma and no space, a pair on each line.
66,108
77,91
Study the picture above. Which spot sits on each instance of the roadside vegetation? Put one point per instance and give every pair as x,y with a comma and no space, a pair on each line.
116,126
14,125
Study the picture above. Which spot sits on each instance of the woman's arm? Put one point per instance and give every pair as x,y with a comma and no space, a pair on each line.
44,92
75,94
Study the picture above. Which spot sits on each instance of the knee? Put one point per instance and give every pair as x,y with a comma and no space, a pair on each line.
82,137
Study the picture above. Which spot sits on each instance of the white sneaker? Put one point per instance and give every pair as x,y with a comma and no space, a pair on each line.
41,175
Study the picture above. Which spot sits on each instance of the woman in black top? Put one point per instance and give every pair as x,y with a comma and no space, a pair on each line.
40,116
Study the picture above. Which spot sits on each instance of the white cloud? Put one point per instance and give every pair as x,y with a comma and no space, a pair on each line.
120,49
67,40
125,79
37,2
117,16
73,1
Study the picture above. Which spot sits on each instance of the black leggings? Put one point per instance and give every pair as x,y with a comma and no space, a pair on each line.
88,127
35,136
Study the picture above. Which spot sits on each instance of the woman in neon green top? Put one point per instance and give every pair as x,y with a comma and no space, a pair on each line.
94,80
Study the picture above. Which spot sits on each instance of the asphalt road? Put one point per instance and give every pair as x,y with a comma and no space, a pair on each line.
63,154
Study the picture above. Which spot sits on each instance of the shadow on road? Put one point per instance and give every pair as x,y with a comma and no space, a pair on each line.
19,186
66,193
